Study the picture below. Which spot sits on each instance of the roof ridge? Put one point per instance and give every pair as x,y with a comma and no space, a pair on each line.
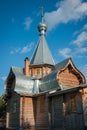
62,63
16,67
42,48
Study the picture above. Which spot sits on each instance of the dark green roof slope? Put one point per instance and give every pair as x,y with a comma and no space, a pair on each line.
42,54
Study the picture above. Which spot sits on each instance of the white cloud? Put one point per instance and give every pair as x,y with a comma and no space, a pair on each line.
12,52
27,23
81,50
25,49
3,78
81,39
65,52
67,10
80,45
16,50
85,27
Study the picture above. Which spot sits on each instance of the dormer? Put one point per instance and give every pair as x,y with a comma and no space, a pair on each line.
70,76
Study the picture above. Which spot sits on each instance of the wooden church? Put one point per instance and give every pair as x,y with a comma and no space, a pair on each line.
44,95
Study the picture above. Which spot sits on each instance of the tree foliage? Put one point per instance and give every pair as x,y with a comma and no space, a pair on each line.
2,108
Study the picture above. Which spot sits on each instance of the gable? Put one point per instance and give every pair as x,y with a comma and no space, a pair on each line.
70,76
9,85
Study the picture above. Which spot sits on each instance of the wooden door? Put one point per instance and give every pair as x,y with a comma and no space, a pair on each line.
74,112
57,113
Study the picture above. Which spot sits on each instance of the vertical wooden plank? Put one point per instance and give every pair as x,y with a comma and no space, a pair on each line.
28,113
13,117
42,118
84,101
57,112
74,118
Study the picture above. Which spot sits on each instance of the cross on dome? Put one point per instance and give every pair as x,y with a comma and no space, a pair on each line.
42,26
42,13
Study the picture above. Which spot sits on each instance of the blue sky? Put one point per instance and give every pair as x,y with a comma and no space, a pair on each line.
66,35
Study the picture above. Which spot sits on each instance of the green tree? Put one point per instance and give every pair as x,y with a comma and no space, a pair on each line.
2,108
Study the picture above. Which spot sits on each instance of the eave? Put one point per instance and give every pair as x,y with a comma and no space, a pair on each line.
68,90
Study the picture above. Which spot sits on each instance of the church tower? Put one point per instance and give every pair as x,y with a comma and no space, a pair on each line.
41,63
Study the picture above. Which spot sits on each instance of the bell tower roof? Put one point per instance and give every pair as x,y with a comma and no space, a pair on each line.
42,54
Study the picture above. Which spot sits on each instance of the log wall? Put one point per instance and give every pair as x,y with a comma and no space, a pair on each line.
42,119
27,119
74,111
68,79
84,99
40,71
12,113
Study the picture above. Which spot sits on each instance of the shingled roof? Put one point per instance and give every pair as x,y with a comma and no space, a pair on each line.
42,54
